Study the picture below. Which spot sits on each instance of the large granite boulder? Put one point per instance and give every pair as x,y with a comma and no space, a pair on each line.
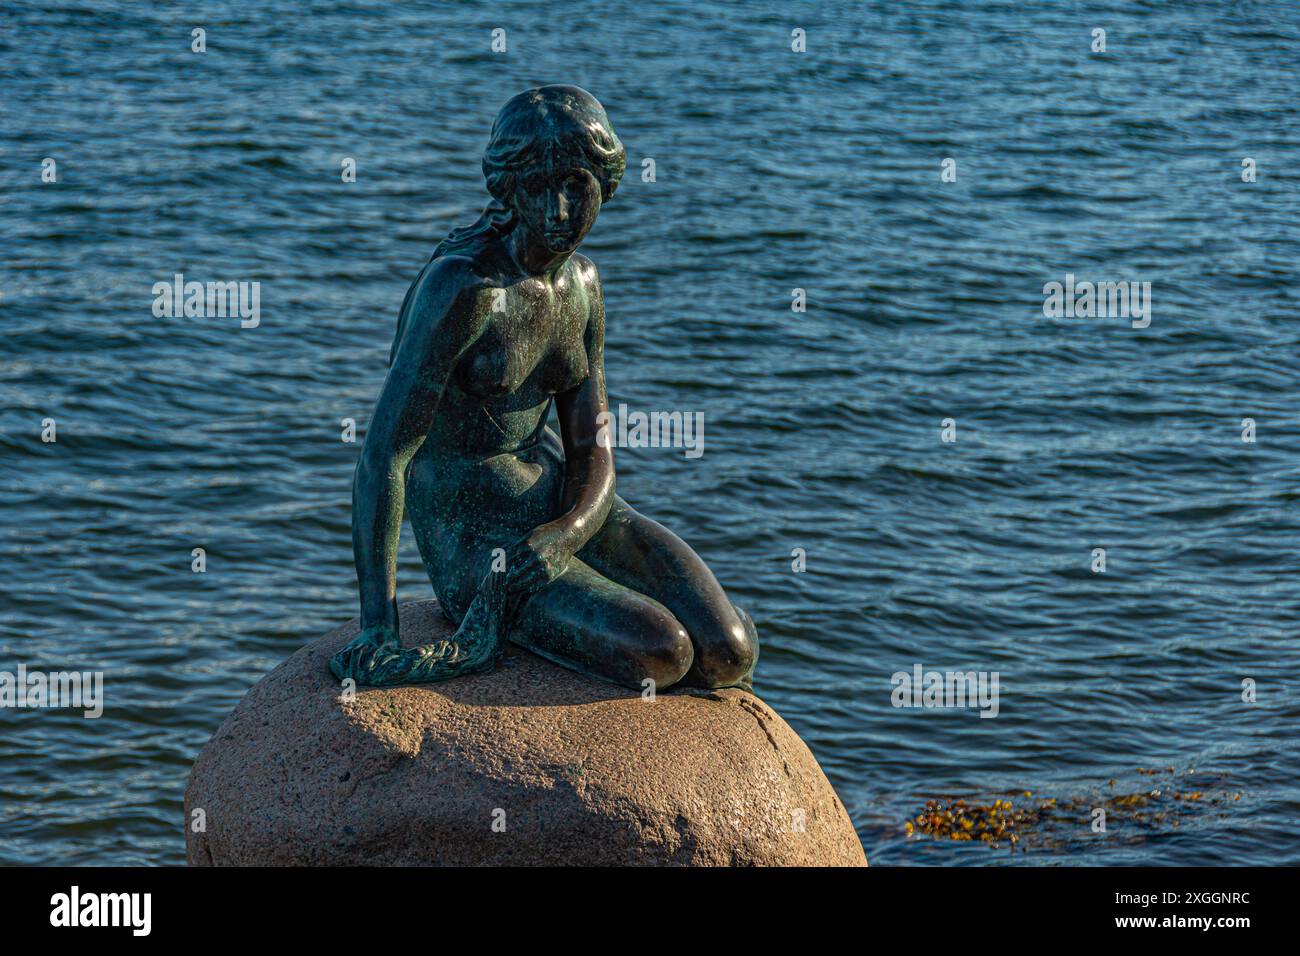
529,764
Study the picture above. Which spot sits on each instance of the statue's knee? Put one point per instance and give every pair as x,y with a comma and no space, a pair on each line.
664,652
726,655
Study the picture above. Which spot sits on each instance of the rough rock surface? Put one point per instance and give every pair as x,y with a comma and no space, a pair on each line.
530,764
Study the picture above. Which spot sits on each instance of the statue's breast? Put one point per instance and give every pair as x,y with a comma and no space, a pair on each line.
491,370
536,341
564,368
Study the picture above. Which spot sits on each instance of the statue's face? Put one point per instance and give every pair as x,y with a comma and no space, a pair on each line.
558,205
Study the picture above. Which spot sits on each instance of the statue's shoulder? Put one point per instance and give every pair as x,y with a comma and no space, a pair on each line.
439,303
446,277
586,271
442,289
589,277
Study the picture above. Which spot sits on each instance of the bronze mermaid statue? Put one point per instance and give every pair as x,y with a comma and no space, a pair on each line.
519,530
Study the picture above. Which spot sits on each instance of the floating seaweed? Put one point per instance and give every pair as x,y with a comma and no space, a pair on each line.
962,820
1017,818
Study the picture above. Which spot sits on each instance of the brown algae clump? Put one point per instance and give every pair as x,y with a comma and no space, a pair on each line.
1057,821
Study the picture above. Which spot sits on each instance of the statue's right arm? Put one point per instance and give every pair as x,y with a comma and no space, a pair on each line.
440,324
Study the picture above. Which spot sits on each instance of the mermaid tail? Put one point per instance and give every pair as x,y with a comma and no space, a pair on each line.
476,646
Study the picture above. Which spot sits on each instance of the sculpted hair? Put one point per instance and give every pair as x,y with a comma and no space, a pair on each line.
548,124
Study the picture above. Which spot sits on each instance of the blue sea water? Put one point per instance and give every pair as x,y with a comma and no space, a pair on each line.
774,170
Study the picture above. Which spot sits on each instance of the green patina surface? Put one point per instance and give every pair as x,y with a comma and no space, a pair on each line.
519,528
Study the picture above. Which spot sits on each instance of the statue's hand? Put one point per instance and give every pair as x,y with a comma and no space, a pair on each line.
537,560
366,653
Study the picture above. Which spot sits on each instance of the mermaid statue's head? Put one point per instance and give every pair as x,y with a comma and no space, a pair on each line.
552,160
